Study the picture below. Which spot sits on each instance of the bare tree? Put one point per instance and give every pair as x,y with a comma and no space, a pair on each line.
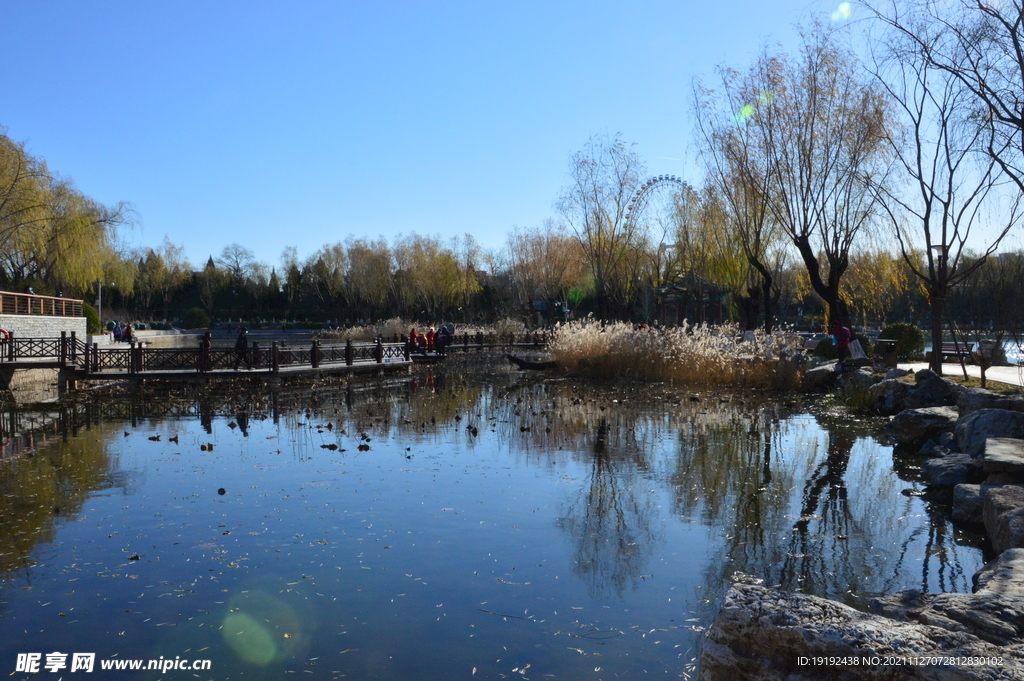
950,162
604,176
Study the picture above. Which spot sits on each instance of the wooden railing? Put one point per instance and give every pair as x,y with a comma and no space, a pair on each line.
134,358
31,304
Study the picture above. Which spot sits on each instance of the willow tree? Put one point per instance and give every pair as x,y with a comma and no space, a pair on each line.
817,130
370,275
51,233
604,176
735,168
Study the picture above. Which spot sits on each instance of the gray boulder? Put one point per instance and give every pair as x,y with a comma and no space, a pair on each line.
1003,455
950,470
968,503
761,634
992,352
989,616
972,430
855,382
1003,575
889,396
1003,513
931,390
917,426
819,379
973,399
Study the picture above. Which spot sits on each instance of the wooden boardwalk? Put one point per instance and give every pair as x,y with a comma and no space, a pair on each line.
81,361
89,362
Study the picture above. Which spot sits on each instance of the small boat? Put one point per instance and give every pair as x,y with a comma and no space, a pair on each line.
532,364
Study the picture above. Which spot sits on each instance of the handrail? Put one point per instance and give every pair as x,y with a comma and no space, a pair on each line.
32,304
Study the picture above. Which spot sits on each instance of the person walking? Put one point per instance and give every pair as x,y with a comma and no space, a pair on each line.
242,348
205,351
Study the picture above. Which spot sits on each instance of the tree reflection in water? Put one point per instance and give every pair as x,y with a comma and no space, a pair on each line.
812,502
610,522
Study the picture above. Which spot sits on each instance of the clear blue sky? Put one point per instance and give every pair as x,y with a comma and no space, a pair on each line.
276,124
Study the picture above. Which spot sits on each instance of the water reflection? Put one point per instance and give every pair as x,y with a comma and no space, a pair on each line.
610,522
431,525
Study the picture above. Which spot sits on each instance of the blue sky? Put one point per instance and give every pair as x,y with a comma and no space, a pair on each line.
278,124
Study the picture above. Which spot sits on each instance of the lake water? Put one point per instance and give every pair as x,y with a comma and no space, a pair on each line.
469,523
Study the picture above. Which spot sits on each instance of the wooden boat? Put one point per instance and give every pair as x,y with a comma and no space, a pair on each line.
525,364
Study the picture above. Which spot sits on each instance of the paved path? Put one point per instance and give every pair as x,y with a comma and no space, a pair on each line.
1009,375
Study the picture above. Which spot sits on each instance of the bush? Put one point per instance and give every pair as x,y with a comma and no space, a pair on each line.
909,339
92,319
196,318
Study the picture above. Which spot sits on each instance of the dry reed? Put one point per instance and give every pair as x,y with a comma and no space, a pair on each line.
698,354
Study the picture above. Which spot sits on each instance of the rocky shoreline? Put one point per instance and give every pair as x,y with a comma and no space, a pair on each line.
974,441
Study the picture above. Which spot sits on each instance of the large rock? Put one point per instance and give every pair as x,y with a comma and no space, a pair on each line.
762,634
972,430
917,426
851,382
973,399
1003,513
889,396
950,470
819,379
992,352
968,502
931,390
1003,455
992,617
1004,575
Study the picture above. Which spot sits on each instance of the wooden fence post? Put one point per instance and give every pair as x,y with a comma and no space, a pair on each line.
74,348
131,357
378,352
274,359
63,352
95,357
10,346
408,351
349,352
480,341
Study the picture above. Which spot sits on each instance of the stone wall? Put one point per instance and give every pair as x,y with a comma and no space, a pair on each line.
40,326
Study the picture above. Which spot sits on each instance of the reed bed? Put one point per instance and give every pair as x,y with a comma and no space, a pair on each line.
691,354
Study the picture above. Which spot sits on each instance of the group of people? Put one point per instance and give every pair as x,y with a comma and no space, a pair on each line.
123,334
430,341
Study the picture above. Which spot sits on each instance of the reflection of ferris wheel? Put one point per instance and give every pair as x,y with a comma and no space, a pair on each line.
655,193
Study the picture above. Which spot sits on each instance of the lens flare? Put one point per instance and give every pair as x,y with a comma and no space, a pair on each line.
744,113
842,12
766,97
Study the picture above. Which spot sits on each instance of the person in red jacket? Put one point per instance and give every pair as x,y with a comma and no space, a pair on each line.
430,339
842,337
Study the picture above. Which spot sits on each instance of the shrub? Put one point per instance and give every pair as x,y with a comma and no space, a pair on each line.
909,339
92,319
196,318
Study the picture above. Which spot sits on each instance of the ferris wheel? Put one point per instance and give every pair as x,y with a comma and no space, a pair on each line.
654,201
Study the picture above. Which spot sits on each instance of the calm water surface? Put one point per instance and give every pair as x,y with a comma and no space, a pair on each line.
467,524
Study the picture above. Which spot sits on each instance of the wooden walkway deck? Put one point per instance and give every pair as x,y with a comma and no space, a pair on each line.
89,362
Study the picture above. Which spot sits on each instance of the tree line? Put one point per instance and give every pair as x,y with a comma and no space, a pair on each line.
833,187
